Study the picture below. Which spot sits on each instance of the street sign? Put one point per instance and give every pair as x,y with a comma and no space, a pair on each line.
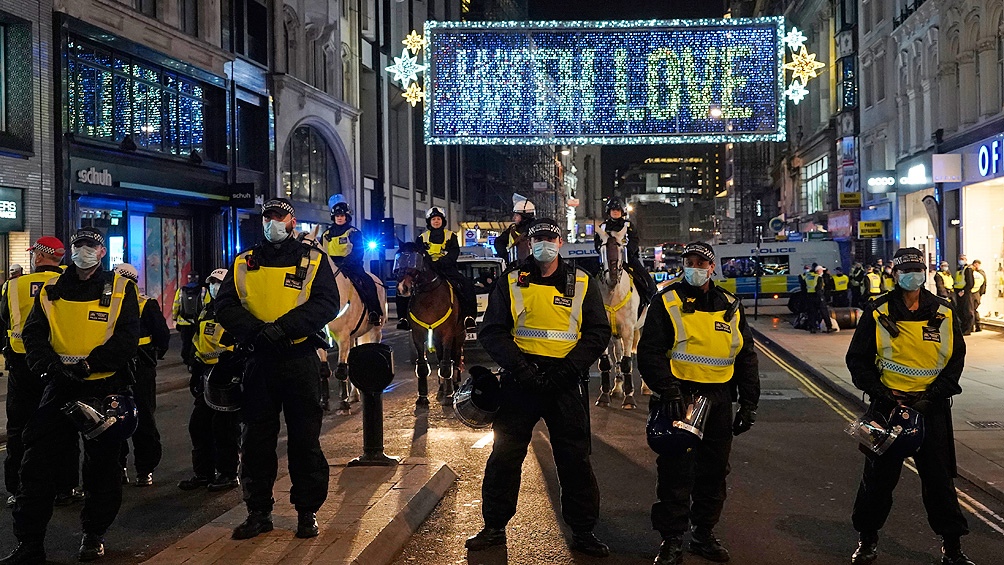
850,199
870,230
818,235
776,224
796,236
470,237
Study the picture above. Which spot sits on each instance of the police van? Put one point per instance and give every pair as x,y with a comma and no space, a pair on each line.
480,265
779,265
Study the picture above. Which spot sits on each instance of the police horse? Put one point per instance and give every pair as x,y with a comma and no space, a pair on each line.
434,312
621,301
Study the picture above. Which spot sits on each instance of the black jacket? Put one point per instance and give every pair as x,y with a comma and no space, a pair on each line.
502,241
659,335
496,333
611,226
863,350
153,324
111,356
355,257
452,247
302,321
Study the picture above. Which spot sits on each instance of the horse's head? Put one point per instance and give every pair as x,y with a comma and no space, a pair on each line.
410,263
613,252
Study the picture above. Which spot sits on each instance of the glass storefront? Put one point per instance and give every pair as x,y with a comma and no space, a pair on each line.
983,239
916,229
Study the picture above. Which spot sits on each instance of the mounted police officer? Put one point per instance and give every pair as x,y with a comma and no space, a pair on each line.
616,223
82,334
444,249
511,245
545,326
275,300
908,349
154,339
215,434
696,341
24,388
344,244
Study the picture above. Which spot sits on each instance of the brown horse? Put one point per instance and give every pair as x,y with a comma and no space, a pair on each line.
434,310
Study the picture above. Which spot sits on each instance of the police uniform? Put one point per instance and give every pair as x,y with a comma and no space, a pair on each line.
639,274
344,244
278,296
184,323
944,283
697,342
24,388
83,334
443,248
923,364
963,285
154,340
511,243
544,332
977,290
857,284
873,285
841,283
215,435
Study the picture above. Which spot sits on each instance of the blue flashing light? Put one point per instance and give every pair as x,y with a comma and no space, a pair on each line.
371,245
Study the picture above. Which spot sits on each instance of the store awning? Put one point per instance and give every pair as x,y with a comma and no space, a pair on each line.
490,226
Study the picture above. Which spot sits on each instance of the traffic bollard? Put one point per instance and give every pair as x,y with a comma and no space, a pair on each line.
371,369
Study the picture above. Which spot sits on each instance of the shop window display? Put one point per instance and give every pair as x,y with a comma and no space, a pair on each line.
983,239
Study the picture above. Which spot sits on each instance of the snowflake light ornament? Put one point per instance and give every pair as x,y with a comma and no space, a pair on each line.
796,92
406,68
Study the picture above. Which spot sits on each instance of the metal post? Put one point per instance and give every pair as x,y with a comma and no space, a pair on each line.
759,274
373,454
371,369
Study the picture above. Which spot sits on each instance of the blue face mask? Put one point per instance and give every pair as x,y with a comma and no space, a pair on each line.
275,230
696,276
912,281
545,251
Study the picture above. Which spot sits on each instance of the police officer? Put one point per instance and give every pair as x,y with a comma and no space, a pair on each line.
814,292
188,302
81,334
444,249
154,339
908,349
888,281
977,290
616,222
944,283
841,283
215,434
873,283
963,285
24,389
344,244
857,283
696,342
544,326
512,245
276,299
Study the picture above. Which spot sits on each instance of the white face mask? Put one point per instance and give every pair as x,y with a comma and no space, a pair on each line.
214,288
696,276
545,251
85,257
275,230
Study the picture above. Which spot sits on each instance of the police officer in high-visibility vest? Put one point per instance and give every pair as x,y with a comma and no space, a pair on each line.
813,281
344,244
544,326
963,285
24,389
82,335
696,341
512,245
857,283
276,299
841,283
908,349
215,434
976,291
944,283
616,222
444,249
873,283
888,281
154,339
189,300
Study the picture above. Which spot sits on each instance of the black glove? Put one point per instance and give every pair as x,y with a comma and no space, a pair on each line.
672,399
882,392
563,375
271,338
195,384
57,370
745,417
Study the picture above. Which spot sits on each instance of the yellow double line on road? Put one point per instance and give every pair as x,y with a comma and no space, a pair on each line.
973,506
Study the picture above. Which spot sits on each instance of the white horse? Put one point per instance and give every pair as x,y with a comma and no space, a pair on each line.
621,300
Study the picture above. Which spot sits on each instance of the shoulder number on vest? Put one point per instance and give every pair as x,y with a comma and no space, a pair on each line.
292,282
562,301
97,316
722,327
932,334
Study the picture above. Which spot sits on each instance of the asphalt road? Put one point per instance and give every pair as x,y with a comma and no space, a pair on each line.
792,484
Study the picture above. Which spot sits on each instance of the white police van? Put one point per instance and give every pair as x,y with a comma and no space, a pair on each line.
780,264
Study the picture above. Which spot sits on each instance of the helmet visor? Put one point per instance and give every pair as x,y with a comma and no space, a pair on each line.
408,261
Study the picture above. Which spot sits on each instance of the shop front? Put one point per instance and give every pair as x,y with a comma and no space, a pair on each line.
981,225
914,226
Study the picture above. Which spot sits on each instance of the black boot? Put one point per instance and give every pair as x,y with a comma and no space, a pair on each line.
952,550
222,483
488,537
92,547
867,551
671,551
470,325
587,543
69,497
306,525
26,553
374,318
257,522
403,324
707,546
196,482
144,479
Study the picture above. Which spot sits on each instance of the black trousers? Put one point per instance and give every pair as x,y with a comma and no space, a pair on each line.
48,437
187,332
364,285
840,299
216,436
935,462
146,444
642,280
284,383
977,298
567,419
462,286
964,310
692,488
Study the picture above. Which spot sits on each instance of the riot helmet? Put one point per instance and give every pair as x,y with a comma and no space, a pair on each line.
222,384
899,436
676,437
114,418
478,399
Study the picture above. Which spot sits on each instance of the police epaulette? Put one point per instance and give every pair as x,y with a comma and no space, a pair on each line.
51,292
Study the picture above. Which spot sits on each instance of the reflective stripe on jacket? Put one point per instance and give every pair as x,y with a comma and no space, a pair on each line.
547,322
706,343
912,360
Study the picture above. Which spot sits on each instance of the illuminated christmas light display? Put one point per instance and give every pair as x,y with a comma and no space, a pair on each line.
622,82
414,94
414,42
795,39
406,68
796,92
803,66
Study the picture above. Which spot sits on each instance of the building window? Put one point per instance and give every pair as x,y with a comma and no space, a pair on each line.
147,7
309,171
846,14
250,36
879,69
17,125
111,96
815,185
189,16
847,88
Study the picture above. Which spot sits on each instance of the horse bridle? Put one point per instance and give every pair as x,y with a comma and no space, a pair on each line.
620,266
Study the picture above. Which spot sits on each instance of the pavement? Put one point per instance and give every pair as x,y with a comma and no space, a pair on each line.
976,413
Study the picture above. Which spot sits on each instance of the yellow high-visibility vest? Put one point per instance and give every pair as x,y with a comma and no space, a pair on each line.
207,341
341,245
270,292
706,344
436,250
978,281
874,283
547,322
810,282
946,278
21,293
960,278
888,283
911,361
840,282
